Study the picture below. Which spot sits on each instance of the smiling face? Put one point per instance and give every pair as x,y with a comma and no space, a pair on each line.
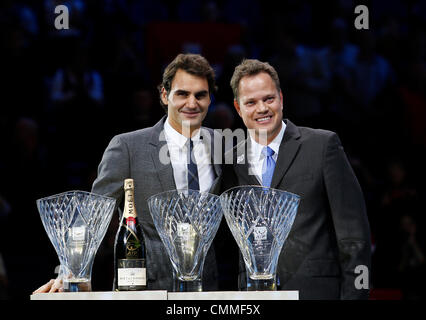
187,101
260,105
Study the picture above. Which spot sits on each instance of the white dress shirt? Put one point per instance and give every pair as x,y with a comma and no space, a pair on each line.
255,156
178,148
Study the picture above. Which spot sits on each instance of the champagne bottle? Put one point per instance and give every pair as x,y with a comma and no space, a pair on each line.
129,249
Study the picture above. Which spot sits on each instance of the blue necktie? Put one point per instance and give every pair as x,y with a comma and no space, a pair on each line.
268,166
192,169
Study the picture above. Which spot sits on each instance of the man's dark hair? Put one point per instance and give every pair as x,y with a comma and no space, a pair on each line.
194,64
252,67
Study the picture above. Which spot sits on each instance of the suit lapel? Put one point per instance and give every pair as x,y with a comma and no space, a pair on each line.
288,150
159,144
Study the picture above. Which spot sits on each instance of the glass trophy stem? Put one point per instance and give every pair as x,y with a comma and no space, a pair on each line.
187,286
261,284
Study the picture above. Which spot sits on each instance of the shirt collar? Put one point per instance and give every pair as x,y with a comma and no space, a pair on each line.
177,138
256,148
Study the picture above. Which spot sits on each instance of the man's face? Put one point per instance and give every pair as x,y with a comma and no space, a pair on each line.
260,105
187,102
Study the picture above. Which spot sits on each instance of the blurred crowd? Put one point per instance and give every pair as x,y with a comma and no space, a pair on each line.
65,93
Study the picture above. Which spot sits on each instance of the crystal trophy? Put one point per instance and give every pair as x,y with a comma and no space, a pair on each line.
76,223
260,220
187,221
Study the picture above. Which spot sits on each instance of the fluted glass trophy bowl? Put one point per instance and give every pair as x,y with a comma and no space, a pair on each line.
260,220
187,221
76,223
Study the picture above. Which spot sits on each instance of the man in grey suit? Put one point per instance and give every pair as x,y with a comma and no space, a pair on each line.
329,243
156,159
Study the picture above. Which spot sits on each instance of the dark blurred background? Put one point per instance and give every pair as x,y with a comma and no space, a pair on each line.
65,93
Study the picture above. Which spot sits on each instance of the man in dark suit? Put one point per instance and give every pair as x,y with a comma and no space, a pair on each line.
156,159
330,236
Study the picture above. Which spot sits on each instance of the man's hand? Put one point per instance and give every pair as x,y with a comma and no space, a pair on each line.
54,285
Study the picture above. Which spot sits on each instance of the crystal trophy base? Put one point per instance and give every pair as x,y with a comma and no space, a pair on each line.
79,285
187,286
261,284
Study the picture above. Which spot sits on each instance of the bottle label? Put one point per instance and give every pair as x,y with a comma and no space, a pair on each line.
131,277
131,272
132,249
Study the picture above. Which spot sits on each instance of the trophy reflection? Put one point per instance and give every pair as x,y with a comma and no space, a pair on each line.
76,223
260,220
187,221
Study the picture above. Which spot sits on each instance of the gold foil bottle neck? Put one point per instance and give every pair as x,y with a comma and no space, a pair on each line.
129,201
128,184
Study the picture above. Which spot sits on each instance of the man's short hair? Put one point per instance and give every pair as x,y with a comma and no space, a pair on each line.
194,64
252,67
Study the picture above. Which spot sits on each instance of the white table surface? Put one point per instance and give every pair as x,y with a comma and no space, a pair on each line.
235,295
100,295
164,295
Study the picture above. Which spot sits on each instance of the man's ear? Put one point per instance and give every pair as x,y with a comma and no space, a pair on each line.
164,96
237,107
282,100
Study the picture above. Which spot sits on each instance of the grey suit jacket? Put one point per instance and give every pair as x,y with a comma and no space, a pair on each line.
136,155
330,236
